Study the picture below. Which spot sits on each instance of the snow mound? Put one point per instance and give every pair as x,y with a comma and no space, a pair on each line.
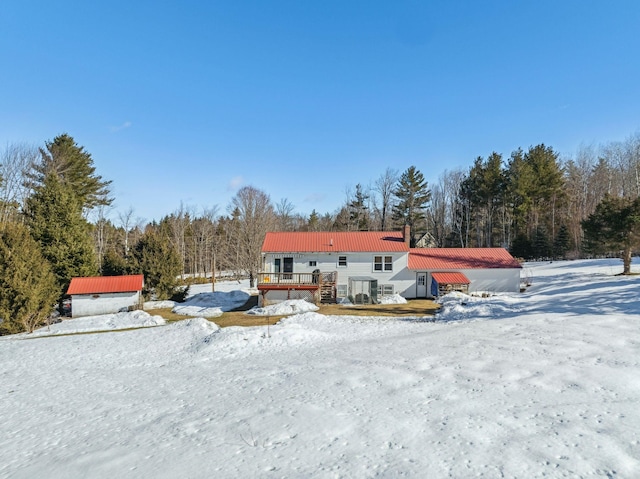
211,305
456,306
285,308
196,332
392,299
103,322
166,304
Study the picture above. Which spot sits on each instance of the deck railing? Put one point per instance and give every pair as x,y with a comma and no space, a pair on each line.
296,278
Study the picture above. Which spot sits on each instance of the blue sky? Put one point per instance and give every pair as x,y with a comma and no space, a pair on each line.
185,102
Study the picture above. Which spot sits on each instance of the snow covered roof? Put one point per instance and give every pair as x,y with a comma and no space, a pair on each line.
460,258
340,241
106,284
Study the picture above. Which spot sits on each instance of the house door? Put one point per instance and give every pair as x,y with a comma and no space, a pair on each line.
421,285
287,267
276,265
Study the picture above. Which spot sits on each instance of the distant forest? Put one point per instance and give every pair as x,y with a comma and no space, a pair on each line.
57,210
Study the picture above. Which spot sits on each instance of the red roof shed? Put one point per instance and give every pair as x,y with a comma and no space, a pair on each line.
106,284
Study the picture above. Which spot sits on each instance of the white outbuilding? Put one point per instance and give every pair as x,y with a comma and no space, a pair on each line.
105,294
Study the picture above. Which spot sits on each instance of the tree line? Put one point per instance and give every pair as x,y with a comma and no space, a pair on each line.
57,219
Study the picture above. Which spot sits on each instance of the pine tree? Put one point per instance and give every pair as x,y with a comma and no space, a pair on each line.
541,243
54,216
70,162
614,226
313,221
159,262
358,210
413,195
115,264
28,288
522,247
561,242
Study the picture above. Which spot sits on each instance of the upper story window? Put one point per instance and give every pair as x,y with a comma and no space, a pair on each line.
313,263
342,261
383,263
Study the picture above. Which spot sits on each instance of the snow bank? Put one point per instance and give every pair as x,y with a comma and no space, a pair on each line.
165,304
233,287
211,305
392,299
104,322
457,306
284,308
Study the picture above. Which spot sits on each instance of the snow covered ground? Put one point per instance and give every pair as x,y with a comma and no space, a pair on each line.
540,384
102,322
204,303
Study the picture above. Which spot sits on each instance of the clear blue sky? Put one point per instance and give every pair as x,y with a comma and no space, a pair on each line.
186,101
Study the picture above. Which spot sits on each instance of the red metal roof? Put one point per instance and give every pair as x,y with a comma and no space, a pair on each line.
341,241
450,278
106,284
460,258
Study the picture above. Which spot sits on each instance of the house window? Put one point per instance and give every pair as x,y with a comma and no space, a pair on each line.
388,263
341,291
342,261
385,289
313,263
377,263
381,263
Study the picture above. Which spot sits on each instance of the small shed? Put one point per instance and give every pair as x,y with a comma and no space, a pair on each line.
443,283
105,294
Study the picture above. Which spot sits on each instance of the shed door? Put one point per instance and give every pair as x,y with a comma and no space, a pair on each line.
421,285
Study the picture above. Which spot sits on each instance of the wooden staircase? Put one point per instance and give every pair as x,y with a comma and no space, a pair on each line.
328,287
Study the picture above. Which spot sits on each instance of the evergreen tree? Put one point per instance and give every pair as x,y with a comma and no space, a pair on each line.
614,227
522,247
484,187
159,262
541,243
70,162
312,224
358,210
28,289
54,216
115,264
561,243
413,195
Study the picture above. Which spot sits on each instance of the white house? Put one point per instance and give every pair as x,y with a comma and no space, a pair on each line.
325,266
105,294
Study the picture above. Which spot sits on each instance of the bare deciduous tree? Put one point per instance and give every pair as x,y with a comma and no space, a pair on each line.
284,215
384,187
255,216
14,162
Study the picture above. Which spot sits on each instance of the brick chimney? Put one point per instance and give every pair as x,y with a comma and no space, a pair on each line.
406,235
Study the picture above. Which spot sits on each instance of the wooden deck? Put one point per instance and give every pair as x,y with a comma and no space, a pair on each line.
322,285
274,280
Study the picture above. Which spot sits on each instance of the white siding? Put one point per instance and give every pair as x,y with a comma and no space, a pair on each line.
497,280
358,264
92,304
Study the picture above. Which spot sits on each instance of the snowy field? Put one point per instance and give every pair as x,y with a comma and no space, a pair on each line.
540,384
